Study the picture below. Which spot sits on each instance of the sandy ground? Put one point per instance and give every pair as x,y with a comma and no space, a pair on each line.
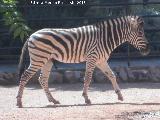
105,106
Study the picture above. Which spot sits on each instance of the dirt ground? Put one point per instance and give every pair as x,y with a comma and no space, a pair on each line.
141,102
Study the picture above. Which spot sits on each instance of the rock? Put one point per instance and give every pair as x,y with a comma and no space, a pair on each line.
141,74
130,75
3,81
8,77
123,74
154,74
2,75
158,71
56,77
82,74
78,75
99,77
70,77
15,77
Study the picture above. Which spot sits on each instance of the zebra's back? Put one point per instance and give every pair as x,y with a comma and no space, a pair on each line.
64,45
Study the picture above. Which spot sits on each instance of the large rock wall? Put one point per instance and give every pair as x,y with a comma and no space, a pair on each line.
124,74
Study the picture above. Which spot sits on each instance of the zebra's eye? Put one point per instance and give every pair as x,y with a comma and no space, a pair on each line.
140,32
141,24
140,29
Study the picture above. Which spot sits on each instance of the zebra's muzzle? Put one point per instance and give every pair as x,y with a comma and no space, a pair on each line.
145,51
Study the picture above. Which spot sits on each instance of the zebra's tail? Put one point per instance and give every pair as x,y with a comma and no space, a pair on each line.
22,64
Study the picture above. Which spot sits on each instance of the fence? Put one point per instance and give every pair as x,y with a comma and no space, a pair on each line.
11,54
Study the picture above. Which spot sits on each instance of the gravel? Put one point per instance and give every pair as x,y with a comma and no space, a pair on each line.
140,100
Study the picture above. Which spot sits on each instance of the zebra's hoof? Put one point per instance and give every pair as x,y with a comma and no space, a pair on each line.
19,104
120,97
56,102
88,102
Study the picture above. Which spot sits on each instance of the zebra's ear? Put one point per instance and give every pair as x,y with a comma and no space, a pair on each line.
140,21
134,24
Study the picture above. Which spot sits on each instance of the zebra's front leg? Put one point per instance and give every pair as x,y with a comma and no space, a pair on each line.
43,79
88,77
104,67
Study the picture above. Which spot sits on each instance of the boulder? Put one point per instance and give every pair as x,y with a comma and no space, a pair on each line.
4,82
70,77
15,77
154,74
123,74
99,77
130,75
56,77
8,77
141,74
78,75
82,74
158,72
2,75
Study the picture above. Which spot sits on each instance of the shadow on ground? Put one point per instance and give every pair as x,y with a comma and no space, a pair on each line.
101,104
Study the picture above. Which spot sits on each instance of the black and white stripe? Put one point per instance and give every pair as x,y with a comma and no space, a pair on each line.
92,43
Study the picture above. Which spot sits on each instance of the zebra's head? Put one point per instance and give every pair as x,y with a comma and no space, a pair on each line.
136,36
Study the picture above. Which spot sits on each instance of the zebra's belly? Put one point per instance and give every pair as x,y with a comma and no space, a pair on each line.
65,60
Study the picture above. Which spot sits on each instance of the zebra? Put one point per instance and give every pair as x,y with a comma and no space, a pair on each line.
92,44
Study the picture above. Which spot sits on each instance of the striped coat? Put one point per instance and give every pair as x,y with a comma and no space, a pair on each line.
92,43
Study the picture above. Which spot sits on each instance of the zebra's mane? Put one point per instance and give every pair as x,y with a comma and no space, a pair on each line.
126,18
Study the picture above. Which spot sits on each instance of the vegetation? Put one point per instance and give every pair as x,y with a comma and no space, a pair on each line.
14,19
20,20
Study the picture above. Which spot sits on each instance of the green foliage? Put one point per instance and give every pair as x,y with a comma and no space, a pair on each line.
14,19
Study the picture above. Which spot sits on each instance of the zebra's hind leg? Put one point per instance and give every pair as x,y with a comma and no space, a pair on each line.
23,81
43,79
104,67
90,65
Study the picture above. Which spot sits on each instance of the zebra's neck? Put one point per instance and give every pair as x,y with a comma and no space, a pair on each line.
113,33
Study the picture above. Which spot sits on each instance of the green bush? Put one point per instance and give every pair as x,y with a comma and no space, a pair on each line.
14,19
